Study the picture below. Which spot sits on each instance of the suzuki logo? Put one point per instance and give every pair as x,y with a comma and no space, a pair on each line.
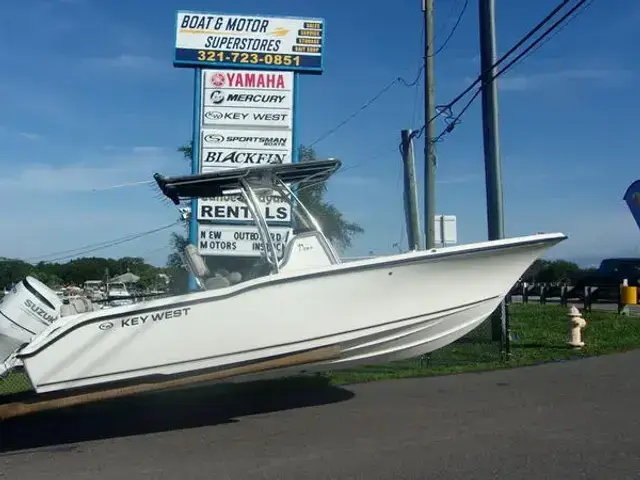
214,138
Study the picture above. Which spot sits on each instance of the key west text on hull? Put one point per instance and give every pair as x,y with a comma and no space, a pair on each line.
373,310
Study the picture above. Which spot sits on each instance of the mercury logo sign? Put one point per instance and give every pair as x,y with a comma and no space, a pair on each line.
214,138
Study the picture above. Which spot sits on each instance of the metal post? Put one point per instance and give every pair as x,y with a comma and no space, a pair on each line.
410,192
493,168
429,113
195,166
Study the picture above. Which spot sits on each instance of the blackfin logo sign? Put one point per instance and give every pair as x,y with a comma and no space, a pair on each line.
225,157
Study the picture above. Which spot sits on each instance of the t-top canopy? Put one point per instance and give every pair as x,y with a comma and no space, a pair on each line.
214,184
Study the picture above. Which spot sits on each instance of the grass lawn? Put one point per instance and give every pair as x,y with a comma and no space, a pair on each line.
539,335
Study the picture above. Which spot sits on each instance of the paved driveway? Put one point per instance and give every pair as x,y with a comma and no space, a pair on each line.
577,419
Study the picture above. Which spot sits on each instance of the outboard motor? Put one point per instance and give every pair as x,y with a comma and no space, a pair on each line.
25,311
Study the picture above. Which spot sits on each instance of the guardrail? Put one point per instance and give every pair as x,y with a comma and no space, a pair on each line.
621,295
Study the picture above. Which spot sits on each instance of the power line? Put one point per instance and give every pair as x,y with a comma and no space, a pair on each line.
557,31
453,30
369,103
417,85
100,246
442,109
535,45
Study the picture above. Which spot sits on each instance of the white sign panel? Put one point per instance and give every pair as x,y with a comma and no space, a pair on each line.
446,227
263,139
219,97
238,240
246,117
215,159
246,98
261,42
233,208
274,82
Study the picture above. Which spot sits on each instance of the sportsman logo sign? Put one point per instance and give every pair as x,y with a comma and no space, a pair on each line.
262,139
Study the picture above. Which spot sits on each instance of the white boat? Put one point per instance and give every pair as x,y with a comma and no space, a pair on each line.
118,294
363,312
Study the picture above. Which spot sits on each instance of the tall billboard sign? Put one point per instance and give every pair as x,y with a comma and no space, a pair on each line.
246,71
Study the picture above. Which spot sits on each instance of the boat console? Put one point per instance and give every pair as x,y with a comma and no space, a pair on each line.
307,249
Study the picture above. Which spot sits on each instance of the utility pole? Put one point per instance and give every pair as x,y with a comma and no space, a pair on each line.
410,191
429,135
492,163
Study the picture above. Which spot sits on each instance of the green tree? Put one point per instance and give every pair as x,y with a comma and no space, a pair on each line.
551,271
77,271
340,231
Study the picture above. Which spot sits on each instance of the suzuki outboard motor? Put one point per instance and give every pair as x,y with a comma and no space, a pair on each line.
25,311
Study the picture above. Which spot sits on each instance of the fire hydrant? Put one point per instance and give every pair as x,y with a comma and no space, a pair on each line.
576,325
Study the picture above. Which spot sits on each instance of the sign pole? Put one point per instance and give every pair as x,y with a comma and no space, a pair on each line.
195,164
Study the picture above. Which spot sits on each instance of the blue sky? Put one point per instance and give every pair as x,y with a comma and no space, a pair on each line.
89,99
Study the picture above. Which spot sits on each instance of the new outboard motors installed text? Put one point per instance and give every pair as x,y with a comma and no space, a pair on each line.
367,311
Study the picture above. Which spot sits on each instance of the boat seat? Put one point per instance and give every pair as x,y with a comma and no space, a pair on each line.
75,306
306,250
198,267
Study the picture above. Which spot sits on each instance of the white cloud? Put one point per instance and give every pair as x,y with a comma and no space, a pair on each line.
523,82
147,149
466,178
355,180
60,207
594,233
128,63
30,135
100,173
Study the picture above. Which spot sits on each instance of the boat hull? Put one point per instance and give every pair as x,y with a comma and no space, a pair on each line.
377,310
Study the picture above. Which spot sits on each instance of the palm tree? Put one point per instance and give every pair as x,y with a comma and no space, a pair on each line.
340,231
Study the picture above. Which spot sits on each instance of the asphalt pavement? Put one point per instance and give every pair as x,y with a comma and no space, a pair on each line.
571,420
